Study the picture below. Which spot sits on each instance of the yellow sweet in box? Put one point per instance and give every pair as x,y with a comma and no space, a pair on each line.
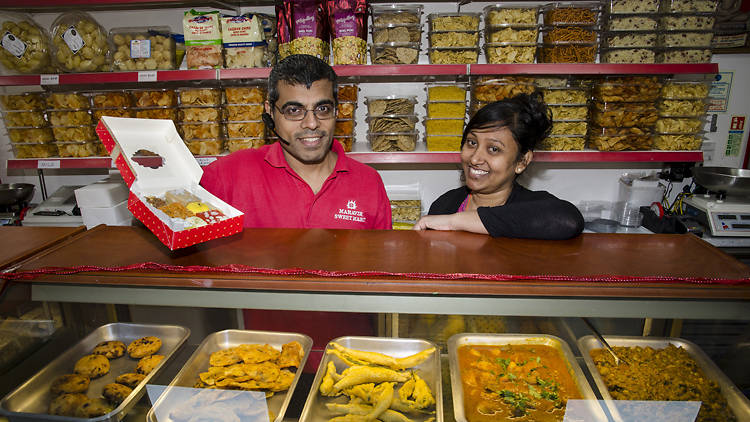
443,143
444,126
446,93
444,109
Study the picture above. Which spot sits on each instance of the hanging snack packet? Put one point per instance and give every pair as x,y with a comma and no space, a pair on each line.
202,39
309,28
348,20
284,28
242,38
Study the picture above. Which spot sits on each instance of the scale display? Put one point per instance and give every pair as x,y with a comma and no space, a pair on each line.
728,217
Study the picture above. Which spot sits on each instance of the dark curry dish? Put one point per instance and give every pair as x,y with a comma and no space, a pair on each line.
515,382
668,374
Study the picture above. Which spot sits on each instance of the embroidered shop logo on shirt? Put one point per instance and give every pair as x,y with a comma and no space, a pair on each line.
350,213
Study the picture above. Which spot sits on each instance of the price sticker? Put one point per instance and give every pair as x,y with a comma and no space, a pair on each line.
204,161
49,80
48,164
147,76
113,164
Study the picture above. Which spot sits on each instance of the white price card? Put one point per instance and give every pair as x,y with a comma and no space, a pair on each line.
113,164
147,76
48,164
49,79
204,161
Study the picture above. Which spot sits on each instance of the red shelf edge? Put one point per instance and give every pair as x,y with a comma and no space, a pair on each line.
253,73
591,68
401,69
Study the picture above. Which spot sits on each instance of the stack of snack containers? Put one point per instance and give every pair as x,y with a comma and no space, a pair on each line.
28,129
110,103
446,112
568,102
392,122
199,117
511,33
630,35
570,33
623,113
345,122
396,33
487,89
682,109
147,48
686,31
241,115
454,38
73,127
405,213
154,103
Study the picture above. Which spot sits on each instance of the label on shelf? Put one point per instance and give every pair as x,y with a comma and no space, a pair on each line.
48,164
204,161
49,79
147,76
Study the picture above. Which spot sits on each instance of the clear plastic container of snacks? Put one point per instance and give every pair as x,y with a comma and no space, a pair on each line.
553,82
79,43
34,150
69,117
570,127
30,135
79,149
628,55
525,34
24,118
443,126
25,101
344,127
681,108
569,112
690,6
437,91
394,53
510,52
203,130
250,94
98,113
82,133
345,110
211,146
628,89
395,141
154,97
567,95
392,123
198,114
632,6
399,33
678,141
687,22
347,142
142,48
458,55
110,99
347,93
677,89
242,112
67,100
454,38
612,114
488,89
510,15
570,34
453,21
236,144
385,15
246,129
563,143
568,52
390,104
686,38
619,138
443,142
199,96
449,109
684,55
577,13
684,125
169,113
629,39
632,23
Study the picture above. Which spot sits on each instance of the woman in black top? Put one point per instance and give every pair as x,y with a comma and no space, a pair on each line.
496,147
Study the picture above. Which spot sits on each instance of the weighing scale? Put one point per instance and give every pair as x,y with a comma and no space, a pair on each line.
60,209
725,210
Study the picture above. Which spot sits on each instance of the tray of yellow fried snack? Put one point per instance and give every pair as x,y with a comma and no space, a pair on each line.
237,374
376,378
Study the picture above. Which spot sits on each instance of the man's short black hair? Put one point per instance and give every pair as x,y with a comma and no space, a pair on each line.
300,69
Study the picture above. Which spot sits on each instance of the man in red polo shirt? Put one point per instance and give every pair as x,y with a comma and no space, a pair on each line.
303,181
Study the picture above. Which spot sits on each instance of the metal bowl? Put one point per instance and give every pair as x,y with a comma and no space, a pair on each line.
723,179
16,193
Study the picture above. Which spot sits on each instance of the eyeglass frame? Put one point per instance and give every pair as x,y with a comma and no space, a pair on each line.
333,105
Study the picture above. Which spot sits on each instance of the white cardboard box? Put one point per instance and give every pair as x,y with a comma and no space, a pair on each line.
117,215
104,193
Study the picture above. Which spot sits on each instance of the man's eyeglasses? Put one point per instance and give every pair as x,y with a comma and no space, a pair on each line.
296,113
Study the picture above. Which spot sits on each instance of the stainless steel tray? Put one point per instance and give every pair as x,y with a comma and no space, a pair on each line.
593,410
221,340
29,402
429,370
738,403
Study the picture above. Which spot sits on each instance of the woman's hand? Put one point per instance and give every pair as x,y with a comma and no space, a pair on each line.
435,222
467,221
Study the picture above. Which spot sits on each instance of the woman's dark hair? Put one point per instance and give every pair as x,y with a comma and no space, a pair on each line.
299,69
526,116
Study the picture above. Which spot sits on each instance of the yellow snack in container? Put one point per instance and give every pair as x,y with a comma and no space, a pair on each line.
113,112
453,21
456,55
25,45
79,43
154,97
67,101
213,146
396,141
489,89
30,135
677,142
203,130
199,96
347,142
679,125
515,35
500,15
25,118
344,127
620,139
685,90
566,112
449,92
25,101
443,142
563,143
612,114
454,39
510,52
198,114
394,53
169,113
145,48
78,149
69,118
250,94
243,112
444,126
236,144
83,133
249,129
41,150
569,128
345,110
681,108
446,109
111,99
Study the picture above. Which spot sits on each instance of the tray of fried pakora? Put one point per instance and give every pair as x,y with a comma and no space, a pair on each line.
100,378
376,378
238,374
671,372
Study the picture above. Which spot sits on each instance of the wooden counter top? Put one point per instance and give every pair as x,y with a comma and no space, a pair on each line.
394,252
22,242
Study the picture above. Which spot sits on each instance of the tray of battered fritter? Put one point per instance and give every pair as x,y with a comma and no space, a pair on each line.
518,377
238,375
376,378
100,378
662,370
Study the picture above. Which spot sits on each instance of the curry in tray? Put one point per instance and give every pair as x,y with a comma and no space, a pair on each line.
515,382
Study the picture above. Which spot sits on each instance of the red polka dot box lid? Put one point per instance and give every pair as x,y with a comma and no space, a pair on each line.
164,178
